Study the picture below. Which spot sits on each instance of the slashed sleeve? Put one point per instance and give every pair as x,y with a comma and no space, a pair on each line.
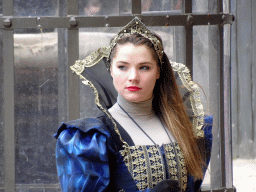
82,160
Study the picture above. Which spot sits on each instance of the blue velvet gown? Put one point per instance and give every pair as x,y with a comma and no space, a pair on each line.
91,157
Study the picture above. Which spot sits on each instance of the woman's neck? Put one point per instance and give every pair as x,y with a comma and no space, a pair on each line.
143,108
142,113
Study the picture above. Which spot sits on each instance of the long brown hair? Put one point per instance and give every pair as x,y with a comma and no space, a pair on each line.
168,105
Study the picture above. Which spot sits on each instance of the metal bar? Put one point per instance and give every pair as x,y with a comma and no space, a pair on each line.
73,55
136,7
227,101
189,36
222,110
214,98
234,83
116,21
188,6
73,84
227,108
9,128
189,48
220,6
222,100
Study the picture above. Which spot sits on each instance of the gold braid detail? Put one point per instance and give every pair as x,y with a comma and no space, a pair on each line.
90,61
176,170
195,100
146,164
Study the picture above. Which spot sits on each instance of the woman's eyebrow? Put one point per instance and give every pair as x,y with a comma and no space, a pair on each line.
122,62
146,63
142,63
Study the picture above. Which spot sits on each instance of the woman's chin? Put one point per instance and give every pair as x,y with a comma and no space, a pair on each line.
134,99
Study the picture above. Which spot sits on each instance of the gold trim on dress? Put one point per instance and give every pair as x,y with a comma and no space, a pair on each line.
176,170
146,164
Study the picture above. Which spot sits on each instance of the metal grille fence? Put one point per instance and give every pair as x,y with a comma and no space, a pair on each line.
38,91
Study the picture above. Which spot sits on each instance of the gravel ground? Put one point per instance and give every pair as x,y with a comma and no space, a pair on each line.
244,173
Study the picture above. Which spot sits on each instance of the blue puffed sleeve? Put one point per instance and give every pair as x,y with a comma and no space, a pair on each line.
82,160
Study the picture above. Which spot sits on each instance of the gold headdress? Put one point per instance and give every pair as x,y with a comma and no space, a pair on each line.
137,27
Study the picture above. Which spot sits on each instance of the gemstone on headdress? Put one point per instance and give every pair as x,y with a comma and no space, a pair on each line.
136,26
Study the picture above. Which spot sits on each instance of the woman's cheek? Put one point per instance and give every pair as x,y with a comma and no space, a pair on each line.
117,84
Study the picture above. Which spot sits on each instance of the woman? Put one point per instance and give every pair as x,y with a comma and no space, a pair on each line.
144,142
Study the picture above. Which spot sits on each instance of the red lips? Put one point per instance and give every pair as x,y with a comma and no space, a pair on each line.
133,88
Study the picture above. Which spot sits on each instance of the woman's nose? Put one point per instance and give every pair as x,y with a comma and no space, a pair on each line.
133,75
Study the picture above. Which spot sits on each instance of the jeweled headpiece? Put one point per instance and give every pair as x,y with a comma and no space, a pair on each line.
136,26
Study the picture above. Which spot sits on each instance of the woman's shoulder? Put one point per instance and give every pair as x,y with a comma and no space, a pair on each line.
99,123
98,126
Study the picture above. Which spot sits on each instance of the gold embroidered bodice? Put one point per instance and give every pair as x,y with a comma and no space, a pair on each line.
150,164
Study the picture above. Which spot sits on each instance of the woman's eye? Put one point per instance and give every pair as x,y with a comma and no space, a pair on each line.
122,67
145,68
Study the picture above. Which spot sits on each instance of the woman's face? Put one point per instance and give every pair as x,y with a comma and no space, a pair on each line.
134,71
